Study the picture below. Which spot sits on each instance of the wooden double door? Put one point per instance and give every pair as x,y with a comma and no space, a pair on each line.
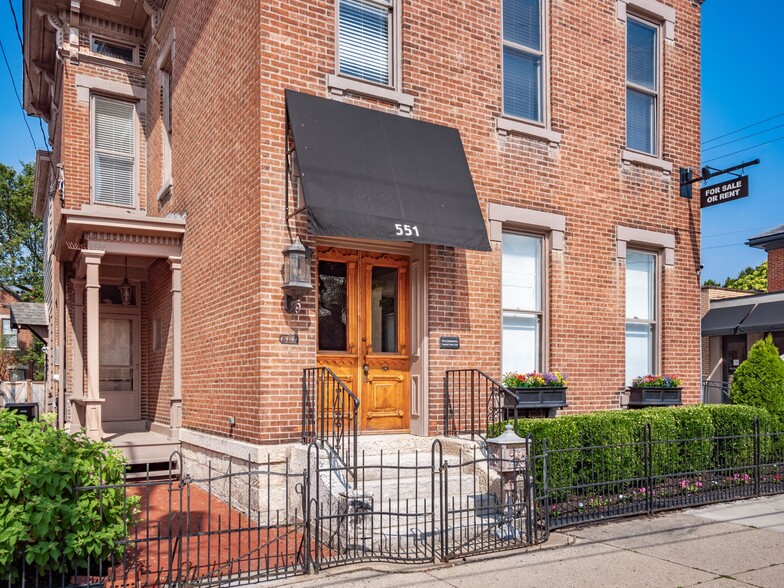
362,328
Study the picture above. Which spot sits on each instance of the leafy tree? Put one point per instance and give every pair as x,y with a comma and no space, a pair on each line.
759,381
712,283
751,278
21,234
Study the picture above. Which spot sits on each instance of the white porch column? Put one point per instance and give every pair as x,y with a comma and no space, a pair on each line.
92,404
175,418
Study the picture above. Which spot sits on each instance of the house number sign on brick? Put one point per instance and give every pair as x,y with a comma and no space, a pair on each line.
289,339
449,342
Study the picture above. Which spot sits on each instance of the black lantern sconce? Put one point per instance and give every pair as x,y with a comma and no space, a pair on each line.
126,290
296,275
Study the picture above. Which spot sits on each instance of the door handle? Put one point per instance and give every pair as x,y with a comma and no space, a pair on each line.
366,369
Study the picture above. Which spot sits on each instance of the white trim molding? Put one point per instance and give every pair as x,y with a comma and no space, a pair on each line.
501,214
651,161
87,84
652,9
647,239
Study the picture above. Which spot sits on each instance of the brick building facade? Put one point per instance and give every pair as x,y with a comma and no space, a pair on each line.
168,121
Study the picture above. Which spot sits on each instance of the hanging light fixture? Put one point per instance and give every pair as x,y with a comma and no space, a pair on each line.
126,290
296,275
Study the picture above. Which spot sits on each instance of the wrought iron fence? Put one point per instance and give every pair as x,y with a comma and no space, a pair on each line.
474,401
329,415
644,473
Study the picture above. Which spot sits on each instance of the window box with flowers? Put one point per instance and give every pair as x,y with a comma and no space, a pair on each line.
537,391
655,390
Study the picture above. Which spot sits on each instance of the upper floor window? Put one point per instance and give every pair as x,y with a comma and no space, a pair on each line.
365,40
166,119
523,59
10,335
113,151
641,314
114,50
642,86
521,302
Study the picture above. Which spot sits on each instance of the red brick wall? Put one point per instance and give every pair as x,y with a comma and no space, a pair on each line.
157,363
776,270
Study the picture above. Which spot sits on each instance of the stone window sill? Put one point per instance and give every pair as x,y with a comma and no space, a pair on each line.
340,85
505,125
646,160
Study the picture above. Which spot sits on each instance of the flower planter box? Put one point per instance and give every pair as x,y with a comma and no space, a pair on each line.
640,397
535,398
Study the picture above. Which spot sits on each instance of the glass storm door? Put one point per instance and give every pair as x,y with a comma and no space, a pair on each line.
362,332
119,368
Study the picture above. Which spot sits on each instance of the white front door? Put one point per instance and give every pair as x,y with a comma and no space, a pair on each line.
119,369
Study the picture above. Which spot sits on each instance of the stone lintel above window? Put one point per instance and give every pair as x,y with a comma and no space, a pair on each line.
664,242
505,125
652,9
512,216
339,85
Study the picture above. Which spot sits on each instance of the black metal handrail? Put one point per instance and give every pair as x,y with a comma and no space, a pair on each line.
473,401
715,392
329,409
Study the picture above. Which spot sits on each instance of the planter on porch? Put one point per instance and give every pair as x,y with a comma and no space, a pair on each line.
641,397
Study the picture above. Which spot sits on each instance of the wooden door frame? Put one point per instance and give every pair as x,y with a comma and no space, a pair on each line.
132,313
352,253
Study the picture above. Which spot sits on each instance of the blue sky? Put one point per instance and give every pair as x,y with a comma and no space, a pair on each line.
742,84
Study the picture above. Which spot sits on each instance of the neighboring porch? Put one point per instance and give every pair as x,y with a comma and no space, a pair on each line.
122,331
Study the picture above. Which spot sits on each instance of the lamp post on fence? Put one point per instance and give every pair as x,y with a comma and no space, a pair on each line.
508,455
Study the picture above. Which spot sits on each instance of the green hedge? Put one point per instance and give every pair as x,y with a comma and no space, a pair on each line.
602,448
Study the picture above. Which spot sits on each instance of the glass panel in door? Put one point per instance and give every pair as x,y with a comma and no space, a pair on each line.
118,375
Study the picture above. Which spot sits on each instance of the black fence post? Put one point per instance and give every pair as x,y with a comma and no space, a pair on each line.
757,456
648,444
545,485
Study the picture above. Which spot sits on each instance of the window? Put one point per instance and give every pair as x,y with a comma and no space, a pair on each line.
523,60
642,86
521,302
641,314
166,119
114,151
365,40
114,50
10,335
17,373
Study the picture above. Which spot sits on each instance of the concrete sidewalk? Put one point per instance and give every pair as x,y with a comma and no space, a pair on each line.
727,545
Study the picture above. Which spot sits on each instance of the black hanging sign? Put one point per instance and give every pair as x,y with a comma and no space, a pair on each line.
724,192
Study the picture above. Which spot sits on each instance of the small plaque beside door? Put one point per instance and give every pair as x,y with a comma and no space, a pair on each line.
449,342
289,339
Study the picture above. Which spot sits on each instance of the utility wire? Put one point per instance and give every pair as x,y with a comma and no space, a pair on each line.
27,77
740,129
722,246
742,138
18,99
746,149
741,231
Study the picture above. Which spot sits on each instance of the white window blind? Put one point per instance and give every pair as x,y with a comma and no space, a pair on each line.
114,151
521,301
640,314
364,40
642,86
523,59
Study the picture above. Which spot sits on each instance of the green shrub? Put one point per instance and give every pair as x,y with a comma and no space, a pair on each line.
604,447
759,381
41,517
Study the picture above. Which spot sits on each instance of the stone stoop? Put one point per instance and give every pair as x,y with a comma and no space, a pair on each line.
394,507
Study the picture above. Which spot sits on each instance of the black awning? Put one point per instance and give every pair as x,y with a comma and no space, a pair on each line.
724,320
766,316
372,175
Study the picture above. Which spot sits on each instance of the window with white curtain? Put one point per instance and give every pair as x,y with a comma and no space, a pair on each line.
523,59
641,311
521,302
642,86
365,40
113,151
